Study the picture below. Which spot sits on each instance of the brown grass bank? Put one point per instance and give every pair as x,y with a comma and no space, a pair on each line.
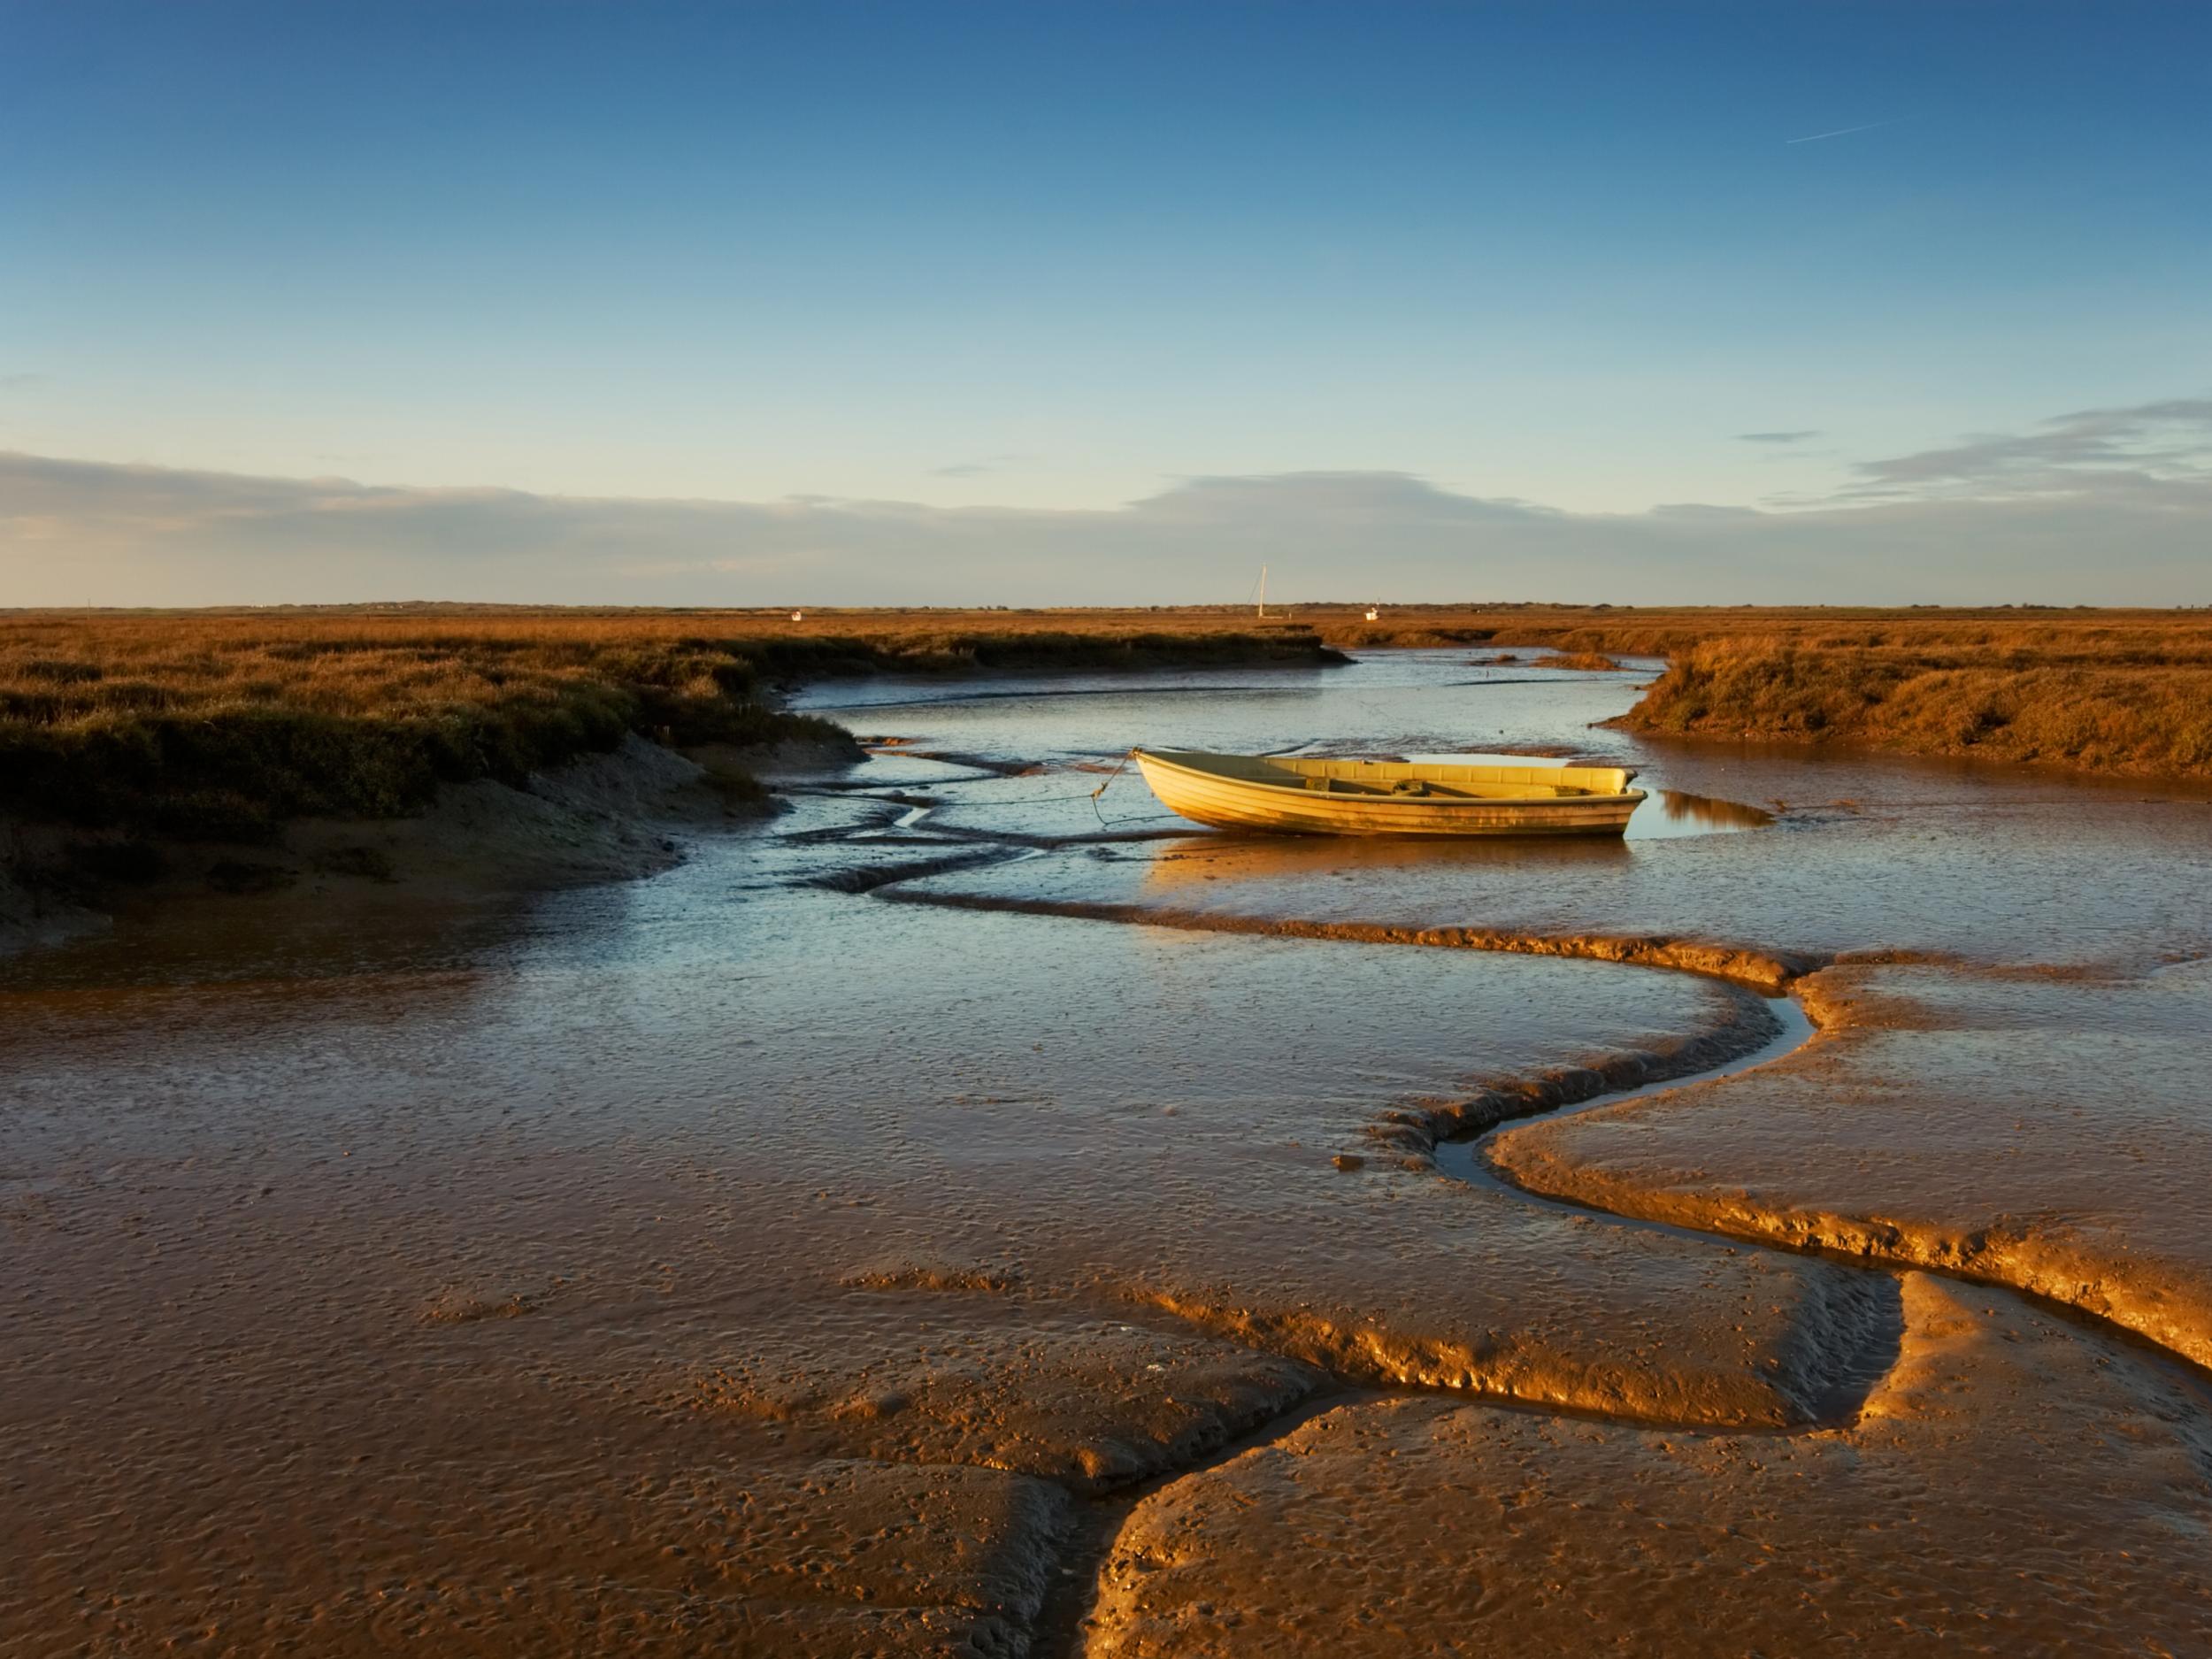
217,725
221,723
2115,691
2139,707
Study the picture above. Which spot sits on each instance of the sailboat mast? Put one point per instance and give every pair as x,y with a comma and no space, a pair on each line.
1263,592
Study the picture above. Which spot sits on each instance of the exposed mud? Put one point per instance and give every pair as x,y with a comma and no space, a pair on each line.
827,1246
2010,1487
33,915
2080,1180
1045,1389
616,1205
480,845
1764,970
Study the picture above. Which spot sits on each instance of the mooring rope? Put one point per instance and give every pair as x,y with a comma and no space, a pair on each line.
1127,757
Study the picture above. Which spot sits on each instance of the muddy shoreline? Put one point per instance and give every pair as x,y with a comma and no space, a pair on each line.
610,818
931,1221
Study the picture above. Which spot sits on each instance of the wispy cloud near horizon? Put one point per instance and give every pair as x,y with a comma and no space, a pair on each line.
2101,506
2089,452
988,465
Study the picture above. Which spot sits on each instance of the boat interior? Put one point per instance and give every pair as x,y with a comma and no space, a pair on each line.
1409,779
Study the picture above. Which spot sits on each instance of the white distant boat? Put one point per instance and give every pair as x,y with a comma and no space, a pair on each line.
1367,797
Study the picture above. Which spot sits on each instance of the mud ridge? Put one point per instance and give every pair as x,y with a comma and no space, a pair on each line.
865,786
833,832
1059,1630
940,834
868,877
980,763
1362,1354
2040,1256
1865,1340
2005,1253
1415,1130
1769,973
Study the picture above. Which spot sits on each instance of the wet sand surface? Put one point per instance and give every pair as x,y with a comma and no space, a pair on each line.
1930,1524
782,1255
2080,1176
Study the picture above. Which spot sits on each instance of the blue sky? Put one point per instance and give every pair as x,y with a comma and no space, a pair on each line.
1057,259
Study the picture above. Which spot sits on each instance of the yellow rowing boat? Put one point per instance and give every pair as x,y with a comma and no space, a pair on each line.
1369,797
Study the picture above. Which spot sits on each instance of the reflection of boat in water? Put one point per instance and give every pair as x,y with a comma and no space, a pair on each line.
1367,797
1710,812
1289,873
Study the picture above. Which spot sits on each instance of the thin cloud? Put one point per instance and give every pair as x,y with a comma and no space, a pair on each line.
977,469
1776,437
2089,450
74,531
1846,132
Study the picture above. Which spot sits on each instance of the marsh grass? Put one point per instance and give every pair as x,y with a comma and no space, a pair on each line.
1585,662
205,728
218,725
2130,711
2102,690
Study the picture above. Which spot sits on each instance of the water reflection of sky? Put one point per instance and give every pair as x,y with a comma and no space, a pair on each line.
1430,705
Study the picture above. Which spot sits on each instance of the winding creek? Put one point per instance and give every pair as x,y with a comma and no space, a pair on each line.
968,1215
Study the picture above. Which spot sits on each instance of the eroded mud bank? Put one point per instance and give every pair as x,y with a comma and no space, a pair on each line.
1767,970
482,848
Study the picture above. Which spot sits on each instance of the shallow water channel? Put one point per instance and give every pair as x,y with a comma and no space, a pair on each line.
966,1214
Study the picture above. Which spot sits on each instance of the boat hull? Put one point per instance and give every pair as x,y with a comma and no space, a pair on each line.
1226,802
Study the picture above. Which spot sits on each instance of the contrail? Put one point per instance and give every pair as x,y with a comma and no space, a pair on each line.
1813,138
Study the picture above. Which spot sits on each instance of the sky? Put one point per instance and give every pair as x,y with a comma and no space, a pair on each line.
1072,302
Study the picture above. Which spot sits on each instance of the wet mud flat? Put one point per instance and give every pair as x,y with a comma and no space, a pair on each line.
1037,1242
